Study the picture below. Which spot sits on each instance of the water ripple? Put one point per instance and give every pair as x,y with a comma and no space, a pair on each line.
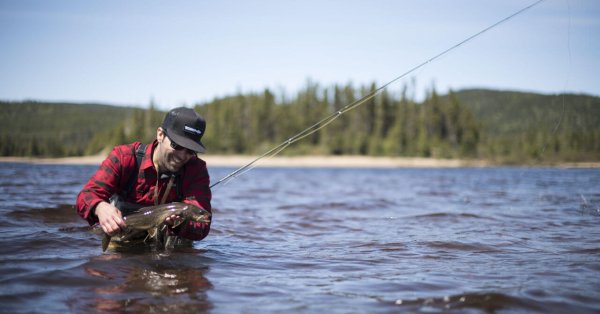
319,241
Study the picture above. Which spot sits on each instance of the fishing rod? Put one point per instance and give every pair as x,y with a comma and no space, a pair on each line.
325,121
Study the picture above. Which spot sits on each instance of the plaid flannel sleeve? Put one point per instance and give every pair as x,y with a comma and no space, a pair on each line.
196,192
103,183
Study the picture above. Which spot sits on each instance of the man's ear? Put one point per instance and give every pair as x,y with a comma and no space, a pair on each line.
160,134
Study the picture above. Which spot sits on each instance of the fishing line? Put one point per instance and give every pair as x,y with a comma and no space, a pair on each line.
557,125
325,121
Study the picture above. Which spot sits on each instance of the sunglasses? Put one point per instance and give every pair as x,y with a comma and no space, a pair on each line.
178,147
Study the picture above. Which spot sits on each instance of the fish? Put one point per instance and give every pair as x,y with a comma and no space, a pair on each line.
147,219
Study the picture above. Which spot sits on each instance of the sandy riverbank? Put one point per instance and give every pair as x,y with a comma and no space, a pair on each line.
307,161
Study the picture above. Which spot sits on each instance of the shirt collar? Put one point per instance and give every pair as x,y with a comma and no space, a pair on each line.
147,161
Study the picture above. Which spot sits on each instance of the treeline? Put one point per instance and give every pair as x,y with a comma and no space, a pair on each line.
506,126
31,128
139,125
383,126
527,127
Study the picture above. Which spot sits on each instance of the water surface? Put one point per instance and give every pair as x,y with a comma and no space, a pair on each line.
505,240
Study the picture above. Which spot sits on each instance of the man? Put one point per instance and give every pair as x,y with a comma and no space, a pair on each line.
164,171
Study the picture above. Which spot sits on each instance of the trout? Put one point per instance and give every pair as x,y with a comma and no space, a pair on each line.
151,217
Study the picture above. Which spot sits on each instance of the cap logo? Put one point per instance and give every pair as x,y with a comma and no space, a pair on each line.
192,130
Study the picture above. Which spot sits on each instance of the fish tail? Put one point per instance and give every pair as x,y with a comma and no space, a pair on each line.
105,242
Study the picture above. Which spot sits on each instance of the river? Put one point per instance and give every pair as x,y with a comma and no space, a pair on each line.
318,240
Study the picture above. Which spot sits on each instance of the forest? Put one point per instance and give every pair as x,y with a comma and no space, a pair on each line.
506,127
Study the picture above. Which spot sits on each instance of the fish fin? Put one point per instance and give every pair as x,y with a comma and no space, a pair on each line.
105,242
151,235
178,222
162,236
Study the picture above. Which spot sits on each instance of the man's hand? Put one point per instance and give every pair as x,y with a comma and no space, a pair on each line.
110,218
173,221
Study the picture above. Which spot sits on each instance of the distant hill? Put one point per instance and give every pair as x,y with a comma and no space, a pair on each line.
505,126
32,128
509,112
509,119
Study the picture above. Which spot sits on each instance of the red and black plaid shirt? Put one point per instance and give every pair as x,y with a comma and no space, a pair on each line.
113,176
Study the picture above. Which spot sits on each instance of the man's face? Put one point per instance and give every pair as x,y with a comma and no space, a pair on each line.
171,157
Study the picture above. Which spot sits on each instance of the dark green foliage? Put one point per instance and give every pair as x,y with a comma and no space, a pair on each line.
509,127
448,126
503,126
33,128
138,125
519,127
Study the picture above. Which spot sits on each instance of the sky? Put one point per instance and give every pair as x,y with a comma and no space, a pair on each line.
187,52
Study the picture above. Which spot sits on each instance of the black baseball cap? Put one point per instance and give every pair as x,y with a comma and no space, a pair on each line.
185,127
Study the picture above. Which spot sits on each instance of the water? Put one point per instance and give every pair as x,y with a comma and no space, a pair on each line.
504,240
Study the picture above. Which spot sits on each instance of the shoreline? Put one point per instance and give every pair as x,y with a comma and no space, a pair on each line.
314,162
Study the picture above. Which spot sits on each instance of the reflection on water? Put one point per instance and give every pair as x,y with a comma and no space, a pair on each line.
319,241
162,283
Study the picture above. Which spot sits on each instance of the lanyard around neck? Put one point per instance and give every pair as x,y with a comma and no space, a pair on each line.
167,190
